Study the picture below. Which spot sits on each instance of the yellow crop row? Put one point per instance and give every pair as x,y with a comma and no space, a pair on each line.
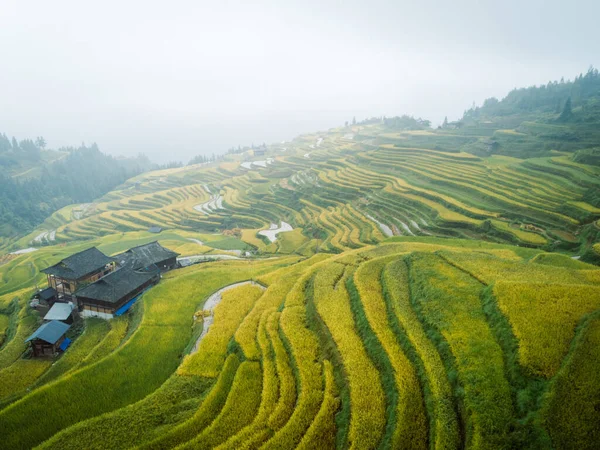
489,268
586,207
228,315
239,409
444,213
287,383
367,399
446,155
322,432
411,427
570,410
20,375
444,431
206,413
525,236
270,390
486,192
449,301
305,353
399,182
543,318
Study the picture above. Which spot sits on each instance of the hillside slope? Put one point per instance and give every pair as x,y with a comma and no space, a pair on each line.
380,285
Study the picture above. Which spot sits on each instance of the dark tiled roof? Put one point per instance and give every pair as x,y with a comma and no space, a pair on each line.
47,294
155,229
144,256
50,332
116,285
80,264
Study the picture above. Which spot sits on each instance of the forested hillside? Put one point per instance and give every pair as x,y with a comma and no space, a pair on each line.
35,182
528,122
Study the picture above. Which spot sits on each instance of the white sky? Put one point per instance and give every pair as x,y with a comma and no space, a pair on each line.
174,79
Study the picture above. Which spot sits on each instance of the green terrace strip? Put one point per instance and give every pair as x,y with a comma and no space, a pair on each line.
448,301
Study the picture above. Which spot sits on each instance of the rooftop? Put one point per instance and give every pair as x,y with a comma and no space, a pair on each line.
59,311
50,332
47,294
113,287
144,256
79,265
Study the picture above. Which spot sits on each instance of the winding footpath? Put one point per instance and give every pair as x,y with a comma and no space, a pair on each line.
212,302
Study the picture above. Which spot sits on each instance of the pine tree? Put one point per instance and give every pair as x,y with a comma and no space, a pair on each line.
567,111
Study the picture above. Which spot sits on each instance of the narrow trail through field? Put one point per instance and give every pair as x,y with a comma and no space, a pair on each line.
212,302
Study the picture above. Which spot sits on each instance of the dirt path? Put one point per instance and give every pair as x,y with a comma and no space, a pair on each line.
211,303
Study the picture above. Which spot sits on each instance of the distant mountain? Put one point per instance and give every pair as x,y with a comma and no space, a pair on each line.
34,181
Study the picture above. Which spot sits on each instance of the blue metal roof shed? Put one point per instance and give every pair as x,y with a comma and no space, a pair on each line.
50,332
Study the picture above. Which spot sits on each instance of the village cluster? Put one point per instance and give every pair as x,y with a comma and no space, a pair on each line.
92,284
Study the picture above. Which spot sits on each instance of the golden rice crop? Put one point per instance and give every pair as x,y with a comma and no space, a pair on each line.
20,375
367,399
410,430
525,236
570,407
229,313
322,432
280,282
287,382
543,318
206,413
488,268
444,431
270,390
239,409
449,301
305,353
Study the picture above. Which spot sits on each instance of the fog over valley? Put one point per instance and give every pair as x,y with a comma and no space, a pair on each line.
201,77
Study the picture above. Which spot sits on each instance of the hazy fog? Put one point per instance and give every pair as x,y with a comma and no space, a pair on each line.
178,78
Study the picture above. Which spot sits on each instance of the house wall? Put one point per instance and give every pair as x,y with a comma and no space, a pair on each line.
101,315
167,264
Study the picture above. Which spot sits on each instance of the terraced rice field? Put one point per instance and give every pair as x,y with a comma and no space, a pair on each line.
411,298
381,346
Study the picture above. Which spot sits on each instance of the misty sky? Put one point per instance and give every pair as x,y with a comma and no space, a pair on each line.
179,78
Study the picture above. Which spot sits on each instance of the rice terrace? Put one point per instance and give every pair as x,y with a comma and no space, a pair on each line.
384,284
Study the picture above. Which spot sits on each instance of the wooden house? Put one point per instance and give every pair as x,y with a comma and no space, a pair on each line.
115,293
82,268
49,338
148,257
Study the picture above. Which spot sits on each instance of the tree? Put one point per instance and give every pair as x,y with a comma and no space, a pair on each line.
567,111
40,142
